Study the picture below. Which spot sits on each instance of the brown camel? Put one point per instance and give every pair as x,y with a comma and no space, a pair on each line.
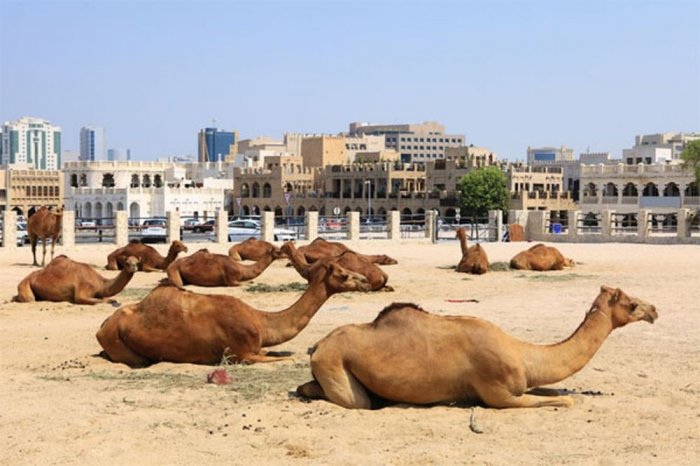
408,355
349,259
149,259
320,248
76,282
540,258
252,249
175,325
474,259
204,268
45,224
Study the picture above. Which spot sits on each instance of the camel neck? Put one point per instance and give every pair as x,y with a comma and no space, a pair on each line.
115,285
547,364
298,260
167,260
249,272
282,326
463,245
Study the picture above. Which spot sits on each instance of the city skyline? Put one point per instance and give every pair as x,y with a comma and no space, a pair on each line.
507,75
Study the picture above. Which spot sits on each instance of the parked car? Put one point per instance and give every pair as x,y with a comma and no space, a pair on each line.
242,229
86,224
153,231
190,223
22,235
206,226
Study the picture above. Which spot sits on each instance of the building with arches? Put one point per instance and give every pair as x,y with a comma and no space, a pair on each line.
25,189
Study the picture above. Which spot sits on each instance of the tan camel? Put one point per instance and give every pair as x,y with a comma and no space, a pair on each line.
349,260
76,282
408,355
204,268
474,259
149,259
175,325
320,248
45,224
540,258
252,249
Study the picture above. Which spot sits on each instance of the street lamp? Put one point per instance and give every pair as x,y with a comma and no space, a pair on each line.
369,199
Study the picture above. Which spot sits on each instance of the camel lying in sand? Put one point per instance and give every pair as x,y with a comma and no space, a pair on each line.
474,259
320,248
350,260
252,249
67,280
44,225
149,259
175,325
204,268
541,258
408,355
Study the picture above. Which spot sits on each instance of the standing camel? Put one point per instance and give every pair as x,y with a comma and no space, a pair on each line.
410,356
76,282
44,225
206,269
176,325
474,259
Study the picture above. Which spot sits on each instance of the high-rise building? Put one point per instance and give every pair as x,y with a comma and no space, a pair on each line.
33,141
119,154
549,154
215,144
92,143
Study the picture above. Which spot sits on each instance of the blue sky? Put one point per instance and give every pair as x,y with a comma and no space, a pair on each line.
507,74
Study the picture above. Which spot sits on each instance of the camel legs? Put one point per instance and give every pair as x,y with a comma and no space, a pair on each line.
34,241
115,348
262,357
338,386
499,397
25,294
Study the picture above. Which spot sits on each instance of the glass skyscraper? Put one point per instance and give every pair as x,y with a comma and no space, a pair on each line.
214,144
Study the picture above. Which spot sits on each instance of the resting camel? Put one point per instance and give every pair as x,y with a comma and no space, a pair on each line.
320,248
76,282
149,259
43,225
349,259
541,258
176,325
204,268
252,249
474,259
410,356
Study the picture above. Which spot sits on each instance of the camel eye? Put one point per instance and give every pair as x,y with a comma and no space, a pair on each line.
633,306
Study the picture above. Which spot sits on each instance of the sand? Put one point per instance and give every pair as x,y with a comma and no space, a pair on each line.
637,403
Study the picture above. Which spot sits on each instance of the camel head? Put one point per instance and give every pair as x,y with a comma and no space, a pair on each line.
383,259
623,309
337,278
287,248
569,262
461,233
132,264
178,247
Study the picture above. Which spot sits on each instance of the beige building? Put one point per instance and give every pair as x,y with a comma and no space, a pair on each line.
319,151
24,189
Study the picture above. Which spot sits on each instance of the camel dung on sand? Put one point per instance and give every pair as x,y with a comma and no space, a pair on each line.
410,356
474,259
252,249
67,280
204,268
176,325
540,258
44,225
320,248
149,259
349,259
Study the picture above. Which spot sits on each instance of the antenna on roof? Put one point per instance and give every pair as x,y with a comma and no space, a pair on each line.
213,122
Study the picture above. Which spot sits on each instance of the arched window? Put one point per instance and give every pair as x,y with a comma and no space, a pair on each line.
301,212
650,189
672,190
267,190
108,180
135,181
256,190
630,190
74,180
590,190
245,190
83,180
610,190
692,189
278,212
158,181
146,181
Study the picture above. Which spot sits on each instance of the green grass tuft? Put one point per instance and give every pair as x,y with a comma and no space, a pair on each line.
263,288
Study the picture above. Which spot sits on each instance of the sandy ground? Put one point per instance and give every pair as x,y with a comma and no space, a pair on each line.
60,403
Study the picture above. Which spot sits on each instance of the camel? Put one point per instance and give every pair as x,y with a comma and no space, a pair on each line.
410,356
320,248
474,259
76,282
540,258
149,259
252,249
43,225
349,259
204,268
176,325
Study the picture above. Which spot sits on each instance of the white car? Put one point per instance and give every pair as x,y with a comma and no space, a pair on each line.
240,230
153,231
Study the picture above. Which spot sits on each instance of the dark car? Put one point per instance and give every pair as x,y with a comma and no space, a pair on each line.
206,226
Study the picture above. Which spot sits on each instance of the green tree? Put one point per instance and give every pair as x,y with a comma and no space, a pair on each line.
691,158
482,190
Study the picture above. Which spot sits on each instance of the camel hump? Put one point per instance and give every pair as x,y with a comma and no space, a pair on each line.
393,307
